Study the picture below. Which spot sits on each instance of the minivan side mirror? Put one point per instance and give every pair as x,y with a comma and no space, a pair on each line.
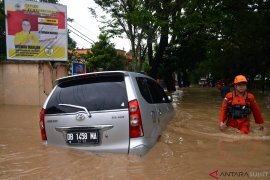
170,98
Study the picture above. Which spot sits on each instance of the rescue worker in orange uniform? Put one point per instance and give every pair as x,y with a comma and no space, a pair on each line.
237,107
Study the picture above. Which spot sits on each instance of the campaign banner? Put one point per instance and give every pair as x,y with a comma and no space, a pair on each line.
36,31
78,68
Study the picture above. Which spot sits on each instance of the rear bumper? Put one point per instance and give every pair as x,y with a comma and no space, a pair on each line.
44,142
137,147
139,150
140,146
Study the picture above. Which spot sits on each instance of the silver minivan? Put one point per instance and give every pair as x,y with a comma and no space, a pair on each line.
113,111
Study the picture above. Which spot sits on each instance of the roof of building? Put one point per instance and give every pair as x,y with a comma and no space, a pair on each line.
128,56
81,51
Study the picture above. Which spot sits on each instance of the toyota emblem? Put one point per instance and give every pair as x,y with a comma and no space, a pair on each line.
80,116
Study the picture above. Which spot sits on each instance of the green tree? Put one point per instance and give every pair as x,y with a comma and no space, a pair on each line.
223,38
123,21
142,21
243,43
104,56
71,43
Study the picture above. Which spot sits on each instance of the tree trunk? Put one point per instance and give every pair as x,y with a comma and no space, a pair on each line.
163,43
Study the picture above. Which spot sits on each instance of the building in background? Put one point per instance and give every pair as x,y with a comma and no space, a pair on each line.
79,55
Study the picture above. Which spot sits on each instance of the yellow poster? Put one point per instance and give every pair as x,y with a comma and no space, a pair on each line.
36,31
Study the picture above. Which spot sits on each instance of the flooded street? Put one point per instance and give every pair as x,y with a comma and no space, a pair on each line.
192,147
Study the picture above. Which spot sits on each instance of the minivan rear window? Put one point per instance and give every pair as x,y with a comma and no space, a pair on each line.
96,93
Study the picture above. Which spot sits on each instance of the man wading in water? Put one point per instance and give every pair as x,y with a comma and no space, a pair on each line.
237,107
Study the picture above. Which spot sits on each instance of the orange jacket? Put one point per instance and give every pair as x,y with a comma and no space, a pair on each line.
240,100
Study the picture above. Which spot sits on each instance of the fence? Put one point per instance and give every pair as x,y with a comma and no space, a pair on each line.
28,83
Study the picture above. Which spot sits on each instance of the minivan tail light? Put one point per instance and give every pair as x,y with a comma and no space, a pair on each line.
135,120
42,125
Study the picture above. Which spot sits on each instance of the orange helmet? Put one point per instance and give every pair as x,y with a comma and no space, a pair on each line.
239,79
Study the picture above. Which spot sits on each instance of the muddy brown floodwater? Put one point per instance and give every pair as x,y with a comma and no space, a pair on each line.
192,147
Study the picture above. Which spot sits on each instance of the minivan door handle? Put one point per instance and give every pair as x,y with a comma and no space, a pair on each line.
159,112
153,115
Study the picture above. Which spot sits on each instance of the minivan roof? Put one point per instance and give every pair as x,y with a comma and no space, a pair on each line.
79,76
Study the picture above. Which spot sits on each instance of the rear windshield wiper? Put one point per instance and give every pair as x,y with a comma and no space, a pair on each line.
79,107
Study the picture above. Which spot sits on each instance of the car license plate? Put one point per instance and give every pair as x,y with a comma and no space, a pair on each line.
83,137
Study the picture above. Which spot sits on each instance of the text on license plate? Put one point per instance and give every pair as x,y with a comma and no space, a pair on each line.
83,137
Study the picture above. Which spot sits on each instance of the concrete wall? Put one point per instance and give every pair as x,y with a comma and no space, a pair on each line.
1,85
28,83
